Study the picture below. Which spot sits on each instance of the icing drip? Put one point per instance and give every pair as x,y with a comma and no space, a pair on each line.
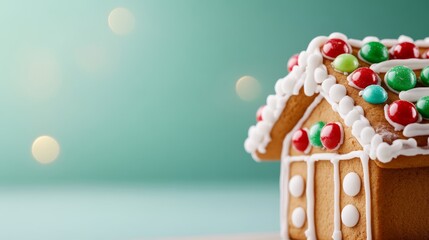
413,63
413,95
416,129
365,166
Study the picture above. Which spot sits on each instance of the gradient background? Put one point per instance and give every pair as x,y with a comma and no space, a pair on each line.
150,126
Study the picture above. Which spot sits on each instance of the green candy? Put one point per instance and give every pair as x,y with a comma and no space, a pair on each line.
374,52
400,78
422,106
345,63
374,94
424,76
314,134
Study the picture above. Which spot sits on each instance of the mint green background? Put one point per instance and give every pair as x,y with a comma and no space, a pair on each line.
152,143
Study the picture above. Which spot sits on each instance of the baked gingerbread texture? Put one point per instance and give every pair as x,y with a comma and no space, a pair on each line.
349,125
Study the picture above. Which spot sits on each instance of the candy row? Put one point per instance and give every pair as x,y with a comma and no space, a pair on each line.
321,135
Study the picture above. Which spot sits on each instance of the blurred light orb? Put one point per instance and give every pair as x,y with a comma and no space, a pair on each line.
45,149
248,88
121,21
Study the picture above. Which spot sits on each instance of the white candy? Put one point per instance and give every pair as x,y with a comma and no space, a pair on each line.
350,216
298,217
296,186
337,92
351,184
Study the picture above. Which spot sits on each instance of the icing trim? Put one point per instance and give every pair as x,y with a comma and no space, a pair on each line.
413,63
413,95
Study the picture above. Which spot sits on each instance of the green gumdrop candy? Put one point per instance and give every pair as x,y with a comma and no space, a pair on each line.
374,52
314,134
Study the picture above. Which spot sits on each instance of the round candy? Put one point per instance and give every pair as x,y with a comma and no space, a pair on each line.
400,78
405,50
334,47
423,106
424,76
300,140
402,112
363,77
345,63
292,62
374,52
374,94
331,136
259,113
315,134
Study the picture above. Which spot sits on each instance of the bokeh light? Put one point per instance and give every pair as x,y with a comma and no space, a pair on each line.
248,88
121,21
45,149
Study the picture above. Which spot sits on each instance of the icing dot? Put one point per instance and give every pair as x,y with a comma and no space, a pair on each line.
374,94
423,106
405,50
259,113
351,184
300,140
374,52
334,47
363,77
298,217
296,186
424,76
292,62
331,136
345,63
315,134
402,112
337,92
350,216
346,105
400,78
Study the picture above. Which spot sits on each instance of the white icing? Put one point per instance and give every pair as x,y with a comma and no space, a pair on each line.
298,217
337,92
346,105
310,233
296,186
350,216
413,95
351,184
416,129
413,63
336,235
365,166
404,38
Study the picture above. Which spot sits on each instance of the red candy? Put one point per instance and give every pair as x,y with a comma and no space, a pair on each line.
404,50
300,140
331,136
293,61
334,47
259,113
402,112
363,77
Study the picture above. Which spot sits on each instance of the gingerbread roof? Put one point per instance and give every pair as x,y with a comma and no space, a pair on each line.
382,136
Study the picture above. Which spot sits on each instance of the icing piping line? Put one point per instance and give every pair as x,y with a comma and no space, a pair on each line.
310,233
365,166
413,63
285,164
336,235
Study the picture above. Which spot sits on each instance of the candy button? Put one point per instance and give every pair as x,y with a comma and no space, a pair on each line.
400,78
293,61
332,136
424,76
374,52
351,184
402,112
298,217
259,113
405,50
345,63
422,106
374,94
363,77
300,140
296,186
350,216
334,47
315,134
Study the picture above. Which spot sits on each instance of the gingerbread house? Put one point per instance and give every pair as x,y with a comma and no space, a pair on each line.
349,125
